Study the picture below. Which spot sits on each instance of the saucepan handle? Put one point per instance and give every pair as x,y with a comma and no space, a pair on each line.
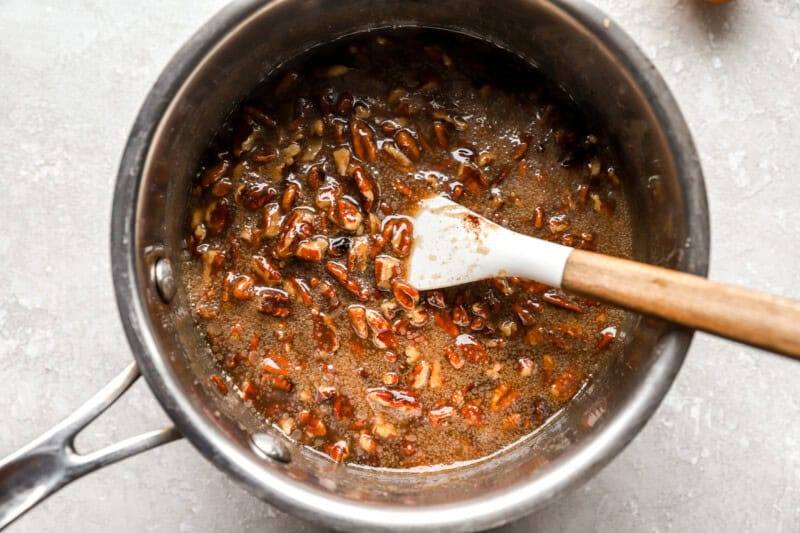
49,462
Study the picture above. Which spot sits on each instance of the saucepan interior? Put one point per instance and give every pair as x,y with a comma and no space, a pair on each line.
575,46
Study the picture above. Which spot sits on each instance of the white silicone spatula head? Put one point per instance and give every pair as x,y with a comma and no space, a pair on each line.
453,245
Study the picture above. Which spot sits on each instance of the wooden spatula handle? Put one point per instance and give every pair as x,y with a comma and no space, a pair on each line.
733,312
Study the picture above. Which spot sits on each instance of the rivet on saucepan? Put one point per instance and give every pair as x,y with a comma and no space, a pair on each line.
269,447
164,279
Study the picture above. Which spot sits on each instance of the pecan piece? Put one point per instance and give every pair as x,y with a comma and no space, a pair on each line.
559,300
439,416
358,317
396,403
382,335
406,142
502,397
406,295
471,348
346,214
217,216
366,186
386,269
273,302
272,220
299,226
255,195
341,158
323,333
566,384
399,231
363,140
358,254
265,269
312,249
418,378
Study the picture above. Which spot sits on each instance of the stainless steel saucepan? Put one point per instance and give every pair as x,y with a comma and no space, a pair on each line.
575,45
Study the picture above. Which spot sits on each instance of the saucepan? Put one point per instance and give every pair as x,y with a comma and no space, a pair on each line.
575,45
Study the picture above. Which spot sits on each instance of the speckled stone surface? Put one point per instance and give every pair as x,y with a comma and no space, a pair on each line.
721,454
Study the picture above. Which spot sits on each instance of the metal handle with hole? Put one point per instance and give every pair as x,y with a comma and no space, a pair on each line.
50,461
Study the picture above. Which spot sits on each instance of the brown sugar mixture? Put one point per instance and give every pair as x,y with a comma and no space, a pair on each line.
299,223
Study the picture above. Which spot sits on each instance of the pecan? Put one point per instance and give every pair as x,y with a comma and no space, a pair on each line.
214,173
406,295
439,416
368,443
273,302
243,288
298,288
289,197
326,392
315,177
341,158
323,333
327,195
265,269
606,336
502,397
218,381
366,186
386,269
339,272
472,177
259,116
472,414
358,254
418,378
346,214
459,315
398,231
440,130
383,337
436,380
446,323
471,348
299,226
405,141
217,215
455,359
342,408
524,315
418,316
272,220
559,300
363,140
312,249
526,367
399,157
538,217
313,426
437,299
255,195
396,403
329,293
358,317
276,363
566,384
557,223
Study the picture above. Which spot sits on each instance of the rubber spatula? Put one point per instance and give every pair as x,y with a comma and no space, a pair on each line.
453,246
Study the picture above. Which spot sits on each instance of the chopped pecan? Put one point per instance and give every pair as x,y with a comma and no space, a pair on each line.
358,254
299,226
346,214
396,403
502,397
255,195
386,269
406,142
363,140
366,186
418,378
439,416
273,302
358,317
265,269
555,298
312,249
566,384
471,349
406,295
324,333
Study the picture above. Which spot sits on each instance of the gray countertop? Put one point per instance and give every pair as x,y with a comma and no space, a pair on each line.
722,452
